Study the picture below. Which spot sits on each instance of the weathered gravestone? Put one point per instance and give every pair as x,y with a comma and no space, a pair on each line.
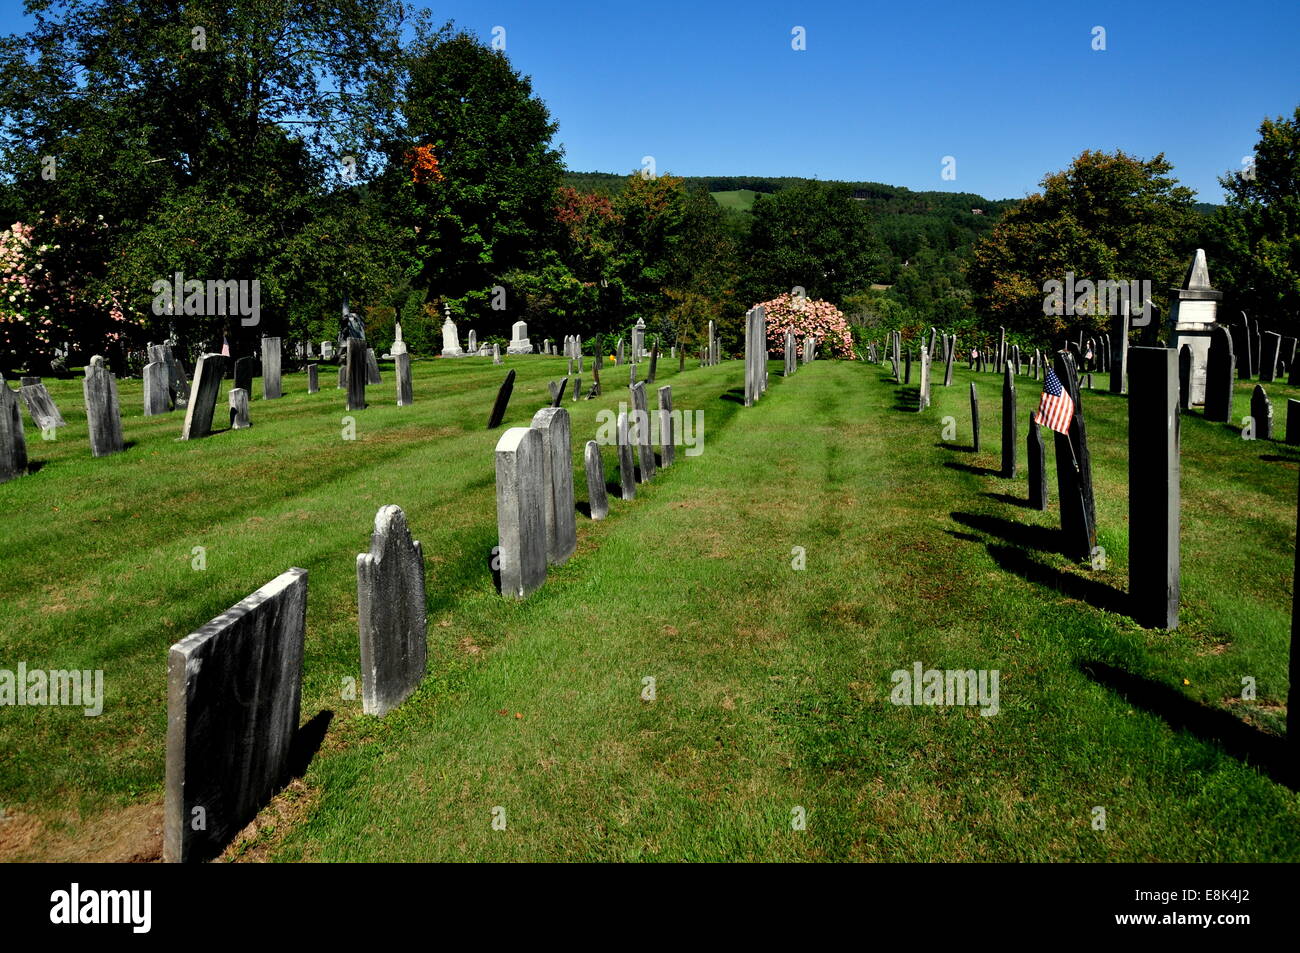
245,371
233,696
1185,377
907,367
502,402
618,352
521,511
40,405
557,468
1119,352
577,388
1037,466
157,399
974,418
1153,486
1241,348
1272,345
313,379
1261,413
949,347
391,613
239,409
924,392
13,441
272,386
103,417
356,373
597,496
626,468
203,397
654,363
372,367
667,437
1073,466
638,340
496,353
519,343
402,371
1010,440
1293,421
1220,376
557,390
641,416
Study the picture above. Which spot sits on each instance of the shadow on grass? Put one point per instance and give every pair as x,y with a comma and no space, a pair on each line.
307,741
1096,594
1267,752
907,398
967,537
1025,535
736,395
970,468
1008,499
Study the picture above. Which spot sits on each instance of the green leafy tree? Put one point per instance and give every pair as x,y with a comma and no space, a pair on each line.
1255,238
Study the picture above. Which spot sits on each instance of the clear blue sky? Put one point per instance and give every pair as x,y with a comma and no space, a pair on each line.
1011,90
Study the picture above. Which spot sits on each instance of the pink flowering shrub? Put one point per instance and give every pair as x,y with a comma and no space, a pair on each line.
807,316
25,326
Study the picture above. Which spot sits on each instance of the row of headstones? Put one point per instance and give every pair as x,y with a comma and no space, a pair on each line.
1265,355
234,687
756,354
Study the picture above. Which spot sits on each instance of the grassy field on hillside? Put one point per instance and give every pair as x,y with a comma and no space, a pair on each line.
772,684
742,200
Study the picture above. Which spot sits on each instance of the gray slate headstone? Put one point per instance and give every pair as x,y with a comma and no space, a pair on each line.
1153,486
233,696
245,370
103,417
1293,421
1261,411
1220,376
372,367
521,511
402,367
667,436
157,400
203,397
1010,440
1185,377
974,418
313,379
1037,464
356,369
641,419
597,496
13,440
1271,347
239,409
502,402
626,468
41,406
391,613
557,457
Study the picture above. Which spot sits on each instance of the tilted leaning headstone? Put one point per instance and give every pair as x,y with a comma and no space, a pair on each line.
233,698
103,416
13,440
356,373
272,386
1153,486
1220,376
641,418
1261,412
557,390
654,363
313,379
1010,440
557,458
203,397
391,613
521,511
372,367
502,402
974,418
597,496
1037,467
40,405
667,437
238,398
496,353
402,368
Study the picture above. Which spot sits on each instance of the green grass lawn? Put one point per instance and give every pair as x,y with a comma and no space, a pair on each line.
772,683
741,200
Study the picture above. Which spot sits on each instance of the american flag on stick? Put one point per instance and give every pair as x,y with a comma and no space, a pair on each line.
1056,409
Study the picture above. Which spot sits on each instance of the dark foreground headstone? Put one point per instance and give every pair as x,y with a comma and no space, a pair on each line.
233,695
521,511
1010,441
974,418
1153,486
1185,377
1293,421
13,441
1037,467
1271,347
103,417
245,370
1074,470
391,613
502,401
356,374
